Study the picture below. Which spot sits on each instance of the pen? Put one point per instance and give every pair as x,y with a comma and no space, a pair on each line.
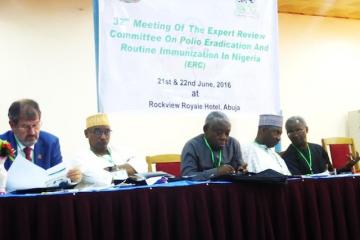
127,160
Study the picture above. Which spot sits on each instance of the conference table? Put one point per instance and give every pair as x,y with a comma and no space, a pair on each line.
302,208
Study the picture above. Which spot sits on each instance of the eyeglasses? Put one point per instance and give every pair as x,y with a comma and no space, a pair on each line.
27,127
99,132
295,132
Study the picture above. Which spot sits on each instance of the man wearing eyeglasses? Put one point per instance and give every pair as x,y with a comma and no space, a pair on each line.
40,147
101,163
304,158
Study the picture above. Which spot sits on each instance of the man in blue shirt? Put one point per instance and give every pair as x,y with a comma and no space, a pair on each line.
40,147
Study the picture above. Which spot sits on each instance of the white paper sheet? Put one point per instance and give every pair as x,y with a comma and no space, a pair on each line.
57,175
120,174
24,174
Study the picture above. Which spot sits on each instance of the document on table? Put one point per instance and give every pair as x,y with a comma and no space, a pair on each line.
317,175
24,174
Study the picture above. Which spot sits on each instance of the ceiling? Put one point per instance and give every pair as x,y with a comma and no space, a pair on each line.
327,8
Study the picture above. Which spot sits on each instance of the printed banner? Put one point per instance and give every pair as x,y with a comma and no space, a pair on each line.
187,55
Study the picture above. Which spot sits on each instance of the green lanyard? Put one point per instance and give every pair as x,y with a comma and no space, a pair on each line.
212,155
308,162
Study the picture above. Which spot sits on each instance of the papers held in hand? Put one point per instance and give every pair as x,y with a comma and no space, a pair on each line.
119,175
23,174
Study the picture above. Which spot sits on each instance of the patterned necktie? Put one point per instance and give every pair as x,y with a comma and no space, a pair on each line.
27,151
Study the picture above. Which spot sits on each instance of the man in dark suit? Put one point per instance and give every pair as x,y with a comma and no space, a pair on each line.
304,158
25,136
213,153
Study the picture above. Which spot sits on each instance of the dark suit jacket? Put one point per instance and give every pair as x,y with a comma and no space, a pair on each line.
46,150
297,164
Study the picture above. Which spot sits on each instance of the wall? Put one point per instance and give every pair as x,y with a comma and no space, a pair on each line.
47,53
319,61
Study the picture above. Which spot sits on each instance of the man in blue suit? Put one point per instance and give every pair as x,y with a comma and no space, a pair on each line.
40,147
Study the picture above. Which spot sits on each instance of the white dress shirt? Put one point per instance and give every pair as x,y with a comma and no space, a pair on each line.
92,166
259,158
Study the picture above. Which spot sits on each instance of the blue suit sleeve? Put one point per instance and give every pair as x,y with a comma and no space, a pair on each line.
56,156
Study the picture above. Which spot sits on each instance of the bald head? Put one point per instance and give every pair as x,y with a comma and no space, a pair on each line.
297,129
295,120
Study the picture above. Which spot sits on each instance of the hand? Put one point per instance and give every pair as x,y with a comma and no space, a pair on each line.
74,174
129,169
243,168
225,169
352,159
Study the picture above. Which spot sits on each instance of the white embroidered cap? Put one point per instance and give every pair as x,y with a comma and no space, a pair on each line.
270,120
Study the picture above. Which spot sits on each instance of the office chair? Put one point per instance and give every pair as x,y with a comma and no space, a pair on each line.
338,148
169,163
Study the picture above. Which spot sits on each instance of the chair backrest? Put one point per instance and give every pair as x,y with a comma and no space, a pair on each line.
169,163
338,148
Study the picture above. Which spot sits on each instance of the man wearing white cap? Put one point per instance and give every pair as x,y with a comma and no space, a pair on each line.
101,163
260,154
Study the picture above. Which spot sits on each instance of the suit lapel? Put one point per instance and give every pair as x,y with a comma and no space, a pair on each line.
39,152
13,143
